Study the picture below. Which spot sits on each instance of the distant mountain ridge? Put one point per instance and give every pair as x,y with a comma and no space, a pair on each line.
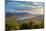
24,17
17,14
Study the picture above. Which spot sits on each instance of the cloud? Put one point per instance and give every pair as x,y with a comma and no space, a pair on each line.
21,5
38,11
10,10
23,11
9,3
36,3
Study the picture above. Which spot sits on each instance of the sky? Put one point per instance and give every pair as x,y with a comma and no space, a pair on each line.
22,6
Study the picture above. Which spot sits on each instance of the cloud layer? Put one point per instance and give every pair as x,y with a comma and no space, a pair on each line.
22,6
